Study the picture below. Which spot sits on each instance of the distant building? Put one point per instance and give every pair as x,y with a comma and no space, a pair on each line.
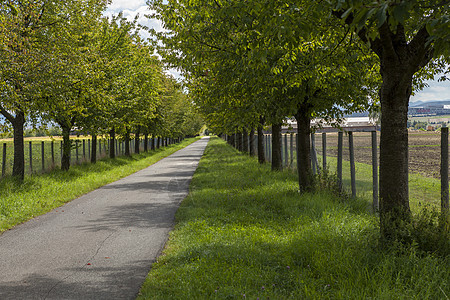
359,124
429,110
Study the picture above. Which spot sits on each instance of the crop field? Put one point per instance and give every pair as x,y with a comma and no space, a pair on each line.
424,150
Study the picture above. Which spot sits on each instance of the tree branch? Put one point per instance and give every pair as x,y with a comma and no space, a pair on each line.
386,42
420,52
7,115
375,45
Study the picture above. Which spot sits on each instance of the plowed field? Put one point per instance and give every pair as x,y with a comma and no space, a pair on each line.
424,150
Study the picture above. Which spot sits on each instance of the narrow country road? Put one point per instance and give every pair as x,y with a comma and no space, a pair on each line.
101,245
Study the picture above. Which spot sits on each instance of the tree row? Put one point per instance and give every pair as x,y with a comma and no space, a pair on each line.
256,63
64,63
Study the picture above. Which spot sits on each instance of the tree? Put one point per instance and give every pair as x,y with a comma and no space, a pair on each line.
21,39
72,82
27,53
411,40
282,66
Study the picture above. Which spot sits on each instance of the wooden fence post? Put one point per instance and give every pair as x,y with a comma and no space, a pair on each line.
339,159
374,172
4,160
324,151
270,147
43,155
52,150
444,170
84,149
76,151
313,153
31,157
266,147
292,151
352,163
286,153
89,148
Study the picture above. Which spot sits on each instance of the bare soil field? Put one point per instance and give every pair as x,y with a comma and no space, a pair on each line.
424,150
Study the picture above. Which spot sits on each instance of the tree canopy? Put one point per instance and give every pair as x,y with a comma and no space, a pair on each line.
63,62
253,60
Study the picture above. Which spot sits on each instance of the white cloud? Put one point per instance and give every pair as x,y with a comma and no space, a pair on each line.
120,5
436,91
130,8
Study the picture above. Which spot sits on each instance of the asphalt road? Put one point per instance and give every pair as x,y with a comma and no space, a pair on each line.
101,245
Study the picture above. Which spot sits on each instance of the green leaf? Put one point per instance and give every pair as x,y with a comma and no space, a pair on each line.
400,13
347,13
381,15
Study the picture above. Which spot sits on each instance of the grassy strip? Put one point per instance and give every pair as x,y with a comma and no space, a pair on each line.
245,233
44,192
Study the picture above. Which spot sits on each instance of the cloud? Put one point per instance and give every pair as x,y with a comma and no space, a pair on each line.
120,5
131,8
436,91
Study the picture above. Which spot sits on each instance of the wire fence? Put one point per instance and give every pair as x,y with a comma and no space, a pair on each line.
354,159
45,155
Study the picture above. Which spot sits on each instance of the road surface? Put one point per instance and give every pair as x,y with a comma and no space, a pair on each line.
101,245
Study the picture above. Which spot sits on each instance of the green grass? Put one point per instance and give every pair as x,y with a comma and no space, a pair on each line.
423,191
41,193
244,232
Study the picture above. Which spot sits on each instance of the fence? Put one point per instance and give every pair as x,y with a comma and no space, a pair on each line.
41,156
354,156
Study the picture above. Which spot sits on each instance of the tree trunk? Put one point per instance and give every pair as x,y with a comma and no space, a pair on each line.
127,143
245,141
305,181
394,198
240,142
112,145
17,122
67,147
277,164
261,155
153,142
146,142
19,147
158,144
252,142
137,140
94,148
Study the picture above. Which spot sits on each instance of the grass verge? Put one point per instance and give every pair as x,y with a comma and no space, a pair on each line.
245,233
423,191
44,192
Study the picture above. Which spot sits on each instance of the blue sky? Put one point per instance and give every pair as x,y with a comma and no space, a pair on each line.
435,92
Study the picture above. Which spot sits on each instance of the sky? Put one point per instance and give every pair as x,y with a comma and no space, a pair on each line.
437,91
